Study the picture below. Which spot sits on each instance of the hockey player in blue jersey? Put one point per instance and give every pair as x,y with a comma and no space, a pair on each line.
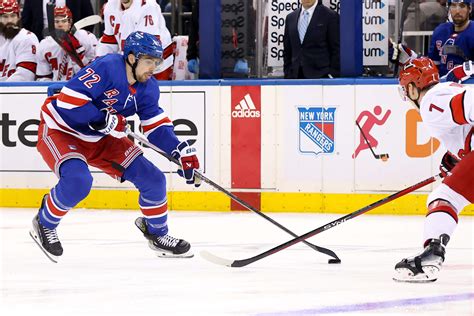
453,42
85,125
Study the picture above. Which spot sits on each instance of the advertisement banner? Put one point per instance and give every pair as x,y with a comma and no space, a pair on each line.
22,166
246,141
375,32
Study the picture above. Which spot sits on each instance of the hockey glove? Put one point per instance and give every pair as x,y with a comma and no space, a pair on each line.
447,163
186,154
241,66
72,46
113,124
193,66
400,53
461,72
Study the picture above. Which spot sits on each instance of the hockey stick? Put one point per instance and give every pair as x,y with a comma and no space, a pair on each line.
55,33
403,15
233,197
244,262
85,22
383,157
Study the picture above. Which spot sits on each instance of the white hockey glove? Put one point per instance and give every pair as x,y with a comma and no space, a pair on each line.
400,53
186,154
461,72
113,124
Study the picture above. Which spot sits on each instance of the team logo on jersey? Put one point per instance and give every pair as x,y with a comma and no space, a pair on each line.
246,108
316,130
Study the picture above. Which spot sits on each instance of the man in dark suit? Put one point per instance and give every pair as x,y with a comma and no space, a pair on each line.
311,42
33,19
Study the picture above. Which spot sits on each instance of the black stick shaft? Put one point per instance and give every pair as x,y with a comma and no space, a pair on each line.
244,262
233,197
370,146
403,15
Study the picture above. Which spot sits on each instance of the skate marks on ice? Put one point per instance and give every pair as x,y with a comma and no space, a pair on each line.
107,262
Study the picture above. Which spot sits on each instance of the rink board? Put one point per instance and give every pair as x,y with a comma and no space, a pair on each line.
281,145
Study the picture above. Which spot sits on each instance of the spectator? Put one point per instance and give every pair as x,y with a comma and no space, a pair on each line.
61,60
122,17
453,42
18,46
424,16
311,42
192,54
430,15
35,19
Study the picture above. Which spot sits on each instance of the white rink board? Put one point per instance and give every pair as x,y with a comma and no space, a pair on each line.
284,166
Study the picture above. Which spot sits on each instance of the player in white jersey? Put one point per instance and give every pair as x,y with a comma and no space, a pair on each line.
54,62
17,45
122,17
447,109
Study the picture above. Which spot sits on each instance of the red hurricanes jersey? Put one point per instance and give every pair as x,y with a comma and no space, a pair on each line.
55,64
142,15
16,53
447,110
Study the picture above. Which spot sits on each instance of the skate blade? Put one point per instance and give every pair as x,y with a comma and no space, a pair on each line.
35,237
168,254
405,275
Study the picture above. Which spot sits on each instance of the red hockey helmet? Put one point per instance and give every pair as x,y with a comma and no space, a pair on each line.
9,6
63,11
422,72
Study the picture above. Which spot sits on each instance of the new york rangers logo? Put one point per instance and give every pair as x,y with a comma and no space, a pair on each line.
316,130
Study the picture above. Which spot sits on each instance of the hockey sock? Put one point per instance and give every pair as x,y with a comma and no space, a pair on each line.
151,183
74,185
442,218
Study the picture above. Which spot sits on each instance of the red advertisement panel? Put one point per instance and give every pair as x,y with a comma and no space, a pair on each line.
246,143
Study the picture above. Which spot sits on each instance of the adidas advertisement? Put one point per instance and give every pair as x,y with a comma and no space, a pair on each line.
245,108
246,142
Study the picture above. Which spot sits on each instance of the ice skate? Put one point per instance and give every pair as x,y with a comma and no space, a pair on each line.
165,246
47,239
424,267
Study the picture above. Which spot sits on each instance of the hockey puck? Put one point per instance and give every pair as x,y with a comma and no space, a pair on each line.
334,261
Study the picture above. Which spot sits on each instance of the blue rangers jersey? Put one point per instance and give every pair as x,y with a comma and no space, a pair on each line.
103,84
444,35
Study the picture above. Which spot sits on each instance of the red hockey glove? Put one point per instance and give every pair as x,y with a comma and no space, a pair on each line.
461,73
186,154
400,53
113,124
447,163
72,46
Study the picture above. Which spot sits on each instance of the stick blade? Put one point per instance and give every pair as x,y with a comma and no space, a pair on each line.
206,255
89,20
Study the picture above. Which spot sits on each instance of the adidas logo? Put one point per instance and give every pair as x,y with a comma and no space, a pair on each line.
246,108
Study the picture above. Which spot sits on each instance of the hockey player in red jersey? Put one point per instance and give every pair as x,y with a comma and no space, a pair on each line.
57,62
447,110
122,17
18,46
85,125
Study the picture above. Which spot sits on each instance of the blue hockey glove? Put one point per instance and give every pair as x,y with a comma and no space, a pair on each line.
193,66
186,154
241,66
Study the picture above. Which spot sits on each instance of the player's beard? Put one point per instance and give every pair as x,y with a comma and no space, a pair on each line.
144,77
459,20
10,30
